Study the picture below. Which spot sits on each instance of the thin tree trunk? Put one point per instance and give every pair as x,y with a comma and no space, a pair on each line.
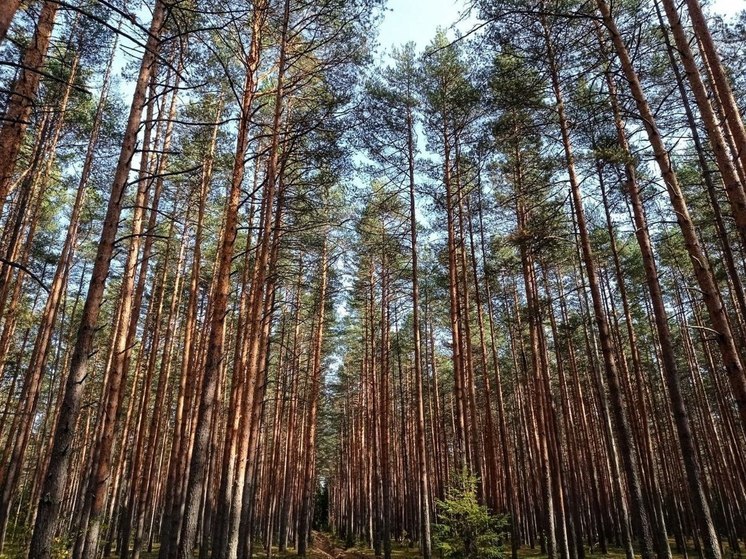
187,374
621,422
425,543
721,81
308,489
116,374
19,437
733,186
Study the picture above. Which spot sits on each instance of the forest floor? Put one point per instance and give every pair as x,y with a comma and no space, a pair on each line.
327,546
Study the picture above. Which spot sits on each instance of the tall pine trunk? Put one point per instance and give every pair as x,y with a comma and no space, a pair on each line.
622,430
697,494
422,465
23,94
702,272
56,476
7,10
214,352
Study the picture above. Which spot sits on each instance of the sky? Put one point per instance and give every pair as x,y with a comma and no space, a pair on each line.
417,20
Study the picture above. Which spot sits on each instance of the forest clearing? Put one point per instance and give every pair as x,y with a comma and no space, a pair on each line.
355,278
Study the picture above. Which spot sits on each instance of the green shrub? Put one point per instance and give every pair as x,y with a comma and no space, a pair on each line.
466,529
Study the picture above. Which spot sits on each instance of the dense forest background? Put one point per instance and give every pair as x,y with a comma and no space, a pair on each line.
260,280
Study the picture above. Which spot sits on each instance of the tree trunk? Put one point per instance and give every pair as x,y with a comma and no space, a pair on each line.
424,489
733,186
618,407
721,83
710,293
697,495
308,489
58,469
177,462
23,93
116,374
7,11
203,429
18,439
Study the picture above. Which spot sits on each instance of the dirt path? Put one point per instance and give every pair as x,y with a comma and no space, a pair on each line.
322,544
